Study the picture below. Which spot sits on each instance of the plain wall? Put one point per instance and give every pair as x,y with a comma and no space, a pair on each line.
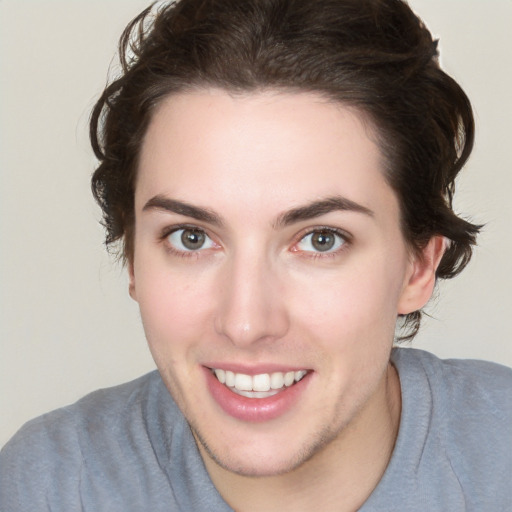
67,325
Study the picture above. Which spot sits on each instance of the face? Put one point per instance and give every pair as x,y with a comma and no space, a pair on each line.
269,267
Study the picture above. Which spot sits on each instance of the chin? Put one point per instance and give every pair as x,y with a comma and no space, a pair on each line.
259,462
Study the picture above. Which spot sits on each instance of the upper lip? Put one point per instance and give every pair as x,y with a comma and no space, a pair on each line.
255,369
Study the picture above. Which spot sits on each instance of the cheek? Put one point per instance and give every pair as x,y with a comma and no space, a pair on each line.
356,304
174,308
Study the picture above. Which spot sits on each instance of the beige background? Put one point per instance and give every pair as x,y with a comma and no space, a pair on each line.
67,325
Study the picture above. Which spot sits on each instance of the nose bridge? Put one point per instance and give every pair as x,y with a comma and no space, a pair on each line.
250,306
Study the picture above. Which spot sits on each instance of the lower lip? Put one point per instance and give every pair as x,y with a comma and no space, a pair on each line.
255,410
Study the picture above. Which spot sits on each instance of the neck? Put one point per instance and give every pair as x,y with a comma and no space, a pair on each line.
339,477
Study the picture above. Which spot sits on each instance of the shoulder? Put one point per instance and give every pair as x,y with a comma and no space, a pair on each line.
465,385
468,404
102,410
59,446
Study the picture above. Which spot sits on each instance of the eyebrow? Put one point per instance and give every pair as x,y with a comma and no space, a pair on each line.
319,208
300,213
160,202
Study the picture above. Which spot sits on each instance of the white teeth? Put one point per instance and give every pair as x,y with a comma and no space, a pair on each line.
299,375
258,386
230,379
256,394
243,382
289,378
221,375
276,380
261,382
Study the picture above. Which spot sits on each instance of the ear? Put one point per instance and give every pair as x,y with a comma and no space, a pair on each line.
131,275
420,284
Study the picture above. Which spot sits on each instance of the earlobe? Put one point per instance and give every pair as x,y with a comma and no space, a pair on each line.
420,284
131,286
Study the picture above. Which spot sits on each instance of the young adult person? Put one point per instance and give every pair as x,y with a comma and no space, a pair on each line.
280,175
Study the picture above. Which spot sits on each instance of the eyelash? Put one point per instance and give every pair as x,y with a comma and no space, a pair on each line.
345,237
167,232
346,240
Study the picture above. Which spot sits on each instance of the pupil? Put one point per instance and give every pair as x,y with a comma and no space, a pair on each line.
192,239
322,241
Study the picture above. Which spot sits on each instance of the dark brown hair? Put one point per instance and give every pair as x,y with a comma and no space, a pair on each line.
373,55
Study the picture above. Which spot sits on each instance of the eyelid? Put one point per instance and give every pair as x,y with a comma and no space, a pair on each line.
166,232
314,229
341,233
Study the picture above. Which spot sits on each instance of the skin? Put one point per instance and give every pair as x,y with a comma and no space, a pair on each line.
259,293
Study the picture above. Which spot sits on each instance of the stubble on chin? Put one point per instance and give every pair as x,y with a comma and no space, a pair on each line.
259,468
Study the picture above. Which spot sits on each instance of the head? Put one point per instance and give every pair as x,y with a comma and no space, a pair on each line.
280,174
374,56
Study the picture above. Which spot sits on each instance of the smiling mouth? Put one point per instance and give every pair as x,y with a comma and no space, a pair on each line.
262,385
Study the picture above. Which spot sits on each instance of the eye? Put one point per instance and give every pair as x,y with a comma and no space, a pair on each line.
190,239
322,240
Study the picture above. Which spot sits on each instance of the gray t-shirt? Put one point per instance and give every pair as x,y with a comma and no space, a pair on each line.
129,448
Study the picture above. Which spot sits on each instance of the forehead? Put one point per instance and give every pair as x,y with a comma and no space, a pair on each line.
266,151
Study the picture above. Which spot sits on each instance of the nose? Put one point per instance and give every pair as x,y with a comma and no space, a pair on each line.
251,305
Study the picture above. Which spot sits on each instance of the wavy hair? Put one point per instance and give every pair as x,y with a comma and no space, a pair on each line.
373,55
